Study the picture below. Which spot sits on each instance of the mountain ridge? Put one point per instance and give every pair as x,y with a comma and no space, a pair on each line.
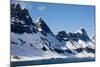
36,40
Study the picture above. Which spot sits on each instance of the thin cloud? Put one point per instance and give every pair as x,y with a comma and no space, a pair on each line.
41,8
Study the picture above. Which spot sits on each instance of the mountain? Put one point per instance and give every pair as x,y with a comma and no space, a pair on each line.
33,40
42,26
20,20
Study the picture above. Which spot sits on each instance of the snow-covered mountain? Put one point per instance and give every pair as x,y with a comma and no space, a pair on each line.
33,40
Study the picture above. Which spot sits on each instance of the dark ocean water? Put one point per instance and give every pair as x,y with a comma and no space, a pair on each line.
50,61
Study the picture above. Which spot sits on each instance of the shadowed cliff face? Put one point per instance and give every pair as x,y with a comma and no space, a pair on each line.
42,26
20,20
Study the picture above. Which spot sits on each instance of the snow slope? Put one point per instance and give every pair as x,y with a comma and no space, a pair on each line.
34,40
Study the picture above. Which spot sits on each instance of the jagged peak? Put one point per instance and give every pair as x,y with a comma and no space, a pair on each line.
81,30
83,34
42,26
38,19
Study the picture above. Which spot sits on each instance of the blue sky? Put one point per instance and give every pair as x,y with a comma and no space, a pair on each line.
67,17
